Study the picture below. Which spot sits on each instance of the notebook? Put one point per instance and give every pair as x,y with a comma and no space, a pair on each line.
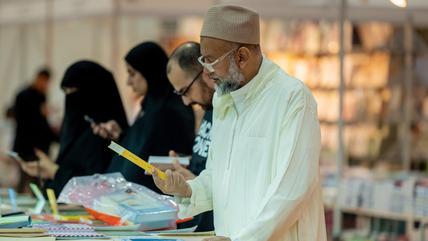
69,230
17,221
22,232
27,239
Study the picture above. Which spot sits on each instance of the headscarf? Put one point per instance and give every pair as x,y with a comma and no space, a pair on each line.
97,96
167,124
150,60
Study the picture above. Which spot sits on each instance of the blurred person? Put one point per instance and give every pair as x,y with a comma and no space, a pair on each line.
7,129
262,176
30,113
32,126
195,88
163,123
9,168
90,90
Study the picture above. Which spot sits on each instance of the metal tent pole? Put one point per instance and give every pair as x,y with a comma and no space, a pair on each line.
408,85
337,220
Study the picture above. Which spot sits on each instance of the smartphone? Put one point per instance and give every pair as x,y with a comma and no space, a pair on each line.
90,120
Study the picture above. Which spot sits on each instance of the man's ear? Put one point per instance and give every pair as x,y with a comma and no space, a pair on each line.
244,55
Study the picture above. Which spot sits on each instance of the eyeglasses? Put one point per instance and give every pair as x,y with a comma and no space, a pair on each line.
183,92
210,66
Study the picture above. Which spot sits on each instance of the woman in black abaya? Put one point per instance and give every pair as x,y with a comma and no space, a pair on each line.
164,122
90,90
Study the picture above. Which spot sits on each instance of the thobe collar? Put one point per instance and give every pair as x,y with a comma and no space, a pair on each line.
241,98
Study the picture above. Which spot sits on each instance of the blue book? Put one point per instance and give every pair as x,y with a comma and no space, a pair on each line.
15,221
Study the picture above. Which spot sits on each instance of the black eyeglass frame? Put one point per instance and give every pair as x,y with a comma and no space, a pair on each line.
183,92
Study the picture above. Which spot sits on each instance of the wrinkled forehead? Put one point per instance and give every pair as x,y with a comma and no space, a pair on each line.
214,48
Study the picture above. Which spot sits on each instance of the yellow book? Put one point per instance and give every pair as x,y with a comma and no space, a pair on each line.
52,201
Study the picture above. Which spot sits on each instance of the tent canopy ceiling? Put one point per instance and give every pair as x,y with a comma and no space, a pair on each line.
23,11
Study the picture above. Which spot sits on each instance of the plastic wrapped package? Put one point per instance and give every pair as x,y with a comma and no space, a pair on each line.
110,195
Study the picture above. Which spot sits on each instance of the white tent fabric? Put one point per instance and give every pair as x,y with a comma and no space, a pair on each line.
13,11
23,49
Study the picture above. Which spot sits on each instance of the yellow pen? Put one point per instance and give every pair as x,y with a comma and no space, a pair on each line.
52,201
135,159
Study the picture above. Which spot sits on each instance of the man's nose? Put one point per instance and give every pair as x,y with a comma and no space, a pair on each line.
186,100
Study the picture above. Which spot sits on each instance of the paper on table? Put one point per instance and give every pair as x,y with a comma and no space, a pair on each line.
185,232
47,238
23,235
12,199
173,231
194,234
52,201
168,160
15,221
41,201
117,228
22,232
145,238
70,230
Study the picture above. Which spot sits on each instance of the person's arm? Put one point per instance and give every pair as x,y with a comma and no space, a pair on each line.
44,167
297,172
193,196
108,130
201,199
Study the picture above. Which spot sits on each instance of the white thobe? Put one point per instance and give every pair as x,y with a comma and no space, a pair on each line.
262,176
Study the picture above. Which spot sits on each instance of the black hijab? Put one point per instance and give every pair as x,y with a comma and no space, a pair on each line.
81,152
150,60
97,96
166,123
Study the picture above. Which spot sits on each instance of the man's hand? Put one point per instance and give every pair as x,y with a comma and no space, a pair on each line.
44,167
175,184
107,130
188,175
217,238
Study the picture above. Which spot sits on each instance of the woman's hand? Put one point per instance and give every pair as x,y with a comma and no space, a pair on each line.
44,167
107,130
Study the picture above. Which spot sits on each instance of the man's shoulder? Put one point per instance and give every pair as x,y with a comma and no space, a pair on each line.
285,85
25,94
24,91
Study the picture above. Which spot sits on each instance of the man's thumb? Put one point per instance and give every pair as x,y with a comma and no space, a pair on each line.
172,153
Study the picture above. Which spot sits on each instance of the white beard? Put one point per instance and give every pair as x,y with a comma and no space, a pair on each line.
231,81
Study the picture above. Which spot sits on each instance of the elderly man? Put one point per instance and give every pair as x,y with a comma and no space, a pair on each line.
262,176
195,88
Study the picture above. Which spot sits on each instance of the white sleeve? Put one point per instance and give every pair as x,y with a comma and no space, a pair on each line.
297,173
201,199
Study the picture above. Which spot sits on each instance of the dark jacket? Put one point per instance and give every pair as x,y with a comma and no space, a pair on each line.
32,127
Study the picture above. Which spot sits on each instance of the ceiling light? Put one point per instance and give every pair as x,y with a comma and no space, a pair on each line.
399,3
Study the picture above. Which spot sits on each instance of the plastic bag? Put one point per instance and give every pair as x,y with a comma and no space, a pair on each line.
111,194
